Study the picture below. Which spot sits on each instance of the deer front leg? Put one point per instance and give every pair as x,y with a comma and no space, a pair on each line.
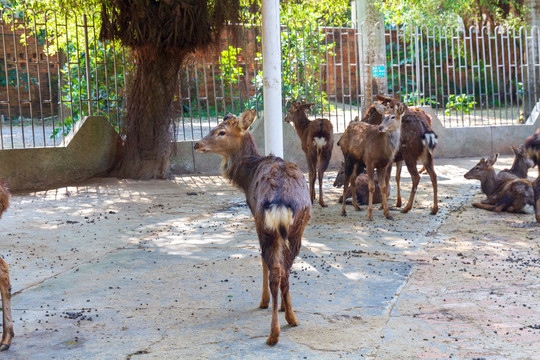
371,188
265,298
399,165
384,174
7,321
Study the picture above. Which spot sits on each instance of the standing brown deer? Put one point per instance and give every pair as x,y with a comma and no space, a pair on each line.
532,147
372,147
317,139
361,186
278,197
5,286
504,193
417,141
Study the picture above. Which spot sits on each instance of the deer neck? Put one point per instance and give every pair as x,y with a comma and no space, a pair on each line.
239,166
490,183
300,124
519,168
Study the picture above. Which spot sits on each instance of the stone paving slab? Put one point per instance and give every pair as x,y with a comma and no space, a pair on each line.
116,269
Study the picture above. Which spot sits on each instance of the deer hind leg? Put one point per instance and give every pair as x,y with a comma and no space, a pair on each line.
537,209
350,173
312,164
488,207
286,299
433,176
399,165
324,160
415,177
7,321
265,298
275,279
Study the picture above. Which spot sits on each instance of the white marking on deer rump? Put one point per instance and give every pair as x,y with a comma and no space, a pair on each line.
429,140
319,142
528,209
277,216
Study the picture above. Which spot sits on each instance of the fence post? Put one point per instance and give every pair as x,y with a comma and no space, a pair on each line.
87,61
417,63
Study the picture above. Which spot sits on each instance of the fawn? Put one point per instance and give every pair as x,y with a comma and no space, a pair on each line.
278,197
5,286
317,139
361,185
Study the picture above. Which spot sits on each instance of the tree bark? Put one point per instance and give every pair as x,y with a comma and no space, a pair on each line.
148,122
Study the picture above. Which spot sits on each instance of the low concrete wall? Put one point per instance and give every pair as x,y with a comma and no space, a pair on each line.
477,141
92,147
90,150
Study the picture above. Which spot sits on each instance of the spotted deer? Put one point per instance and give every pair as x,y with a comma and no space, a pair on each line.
278,197
5,285
371,147
317,139
504,193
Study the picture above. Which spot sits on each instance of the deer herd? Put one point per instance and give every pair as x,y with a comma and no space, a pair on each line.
280,200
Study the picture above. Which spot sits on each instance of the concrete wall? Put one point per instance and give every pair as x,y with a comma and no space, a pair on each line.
90,149
452,143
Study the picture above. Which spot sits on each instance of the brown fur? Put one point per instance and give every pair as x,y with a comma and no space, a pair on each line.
278,197
307,131
362,190
536,189
415,131
505,192
5,285
372,147
532,148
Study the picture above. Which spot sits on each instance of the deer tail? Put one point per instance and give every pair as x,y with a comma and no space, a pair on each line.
279,217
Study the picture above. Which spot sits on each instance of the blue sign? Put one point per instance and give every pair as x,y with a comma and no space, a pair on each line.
379,71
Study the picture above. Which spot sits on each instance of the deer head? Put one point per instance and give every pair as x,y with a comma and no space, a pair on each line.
294,108
225,138
393,121
482,169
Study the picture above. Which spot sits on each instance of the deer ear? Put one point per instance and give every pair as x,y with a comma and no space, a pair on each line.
307,106
379,107
294,106
514,149
245,120
492,159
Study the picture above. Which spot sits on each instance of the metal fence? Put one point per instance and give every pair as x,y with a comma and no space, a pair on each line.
54,71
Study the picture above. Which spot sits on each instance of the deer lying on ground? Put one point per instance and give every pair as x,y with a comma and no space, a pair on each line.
417,142
521,164
504,193
532,148
372,147
5,286
317,139
361,185
278,197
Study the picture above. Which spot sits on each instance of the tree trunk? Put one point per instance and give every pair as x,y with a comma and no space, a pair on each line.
148,123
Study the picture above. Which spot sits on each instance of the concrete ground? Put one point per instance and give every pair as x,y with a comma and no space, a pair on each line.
117,269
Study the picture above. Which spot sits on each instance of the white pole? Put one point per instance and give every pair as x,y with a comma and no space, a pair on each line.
271,52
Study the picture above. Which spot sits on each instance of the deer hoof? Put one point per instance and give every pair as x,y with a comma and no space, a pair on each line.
389,217
323,204
4,347
405,210
434,211
343,213
272,340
